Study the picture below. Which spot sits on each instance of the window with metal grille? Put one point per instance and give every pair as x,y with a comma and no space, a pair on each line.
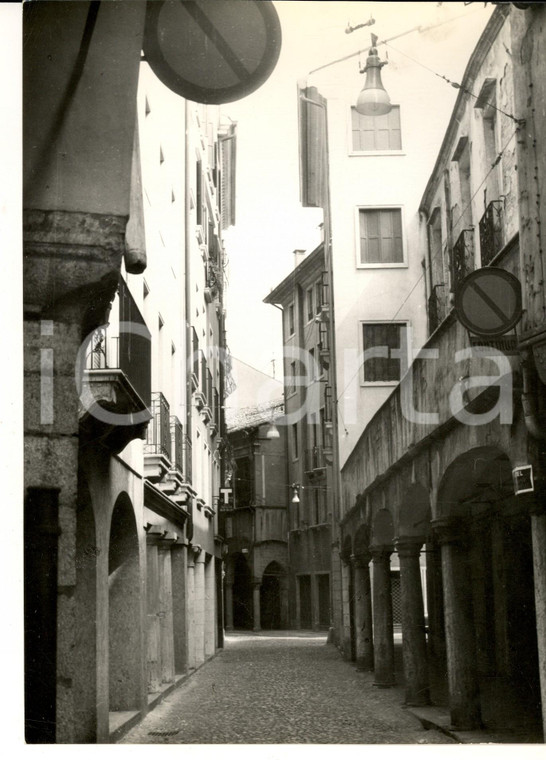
385,351
376,133
380,236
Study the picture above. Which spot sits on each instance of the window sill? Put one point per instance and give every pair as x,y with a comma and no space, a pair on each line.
380,384
368,153
403,265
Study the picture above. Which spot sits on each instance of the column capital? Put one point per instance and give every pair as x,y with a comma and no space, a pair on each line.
380,552
362,559
409,546
450,530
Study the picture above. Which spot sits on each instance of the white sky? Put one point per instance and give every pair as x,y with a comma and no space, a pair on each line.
270,220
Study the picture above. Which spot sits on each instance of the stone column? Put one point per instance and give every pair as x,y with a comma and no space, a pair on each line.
345,594
464,696
414,645
363,613
382,617
199,607
180,594
256,606
228,597
210,608
538,529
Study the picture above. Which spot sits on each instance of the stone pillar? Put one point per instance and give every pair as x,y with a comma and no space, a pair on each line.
435,603
228,601
363,613
199,608
190,609
538,528
256,606
345,592
464,696
382,617
180,593
414,645
210,609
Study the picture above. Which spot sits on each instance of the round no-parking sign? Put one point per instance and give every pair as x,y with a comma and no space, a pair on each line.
212,51
488,301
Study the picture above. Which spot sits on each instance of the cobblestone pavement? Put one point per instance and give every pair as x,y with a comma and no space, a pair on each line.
283,688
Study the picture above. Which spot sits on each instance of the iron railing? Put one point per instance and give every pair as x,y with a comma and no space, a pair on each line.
491,232
462,258
177,442
187,459
126,347
314,459
158,440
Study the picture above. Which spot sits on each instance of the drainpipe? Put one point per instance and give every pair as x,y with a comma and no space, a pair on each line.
529,398
187,295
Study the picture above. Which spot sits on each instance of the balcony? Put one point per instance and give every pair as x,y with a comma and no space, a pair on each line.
462,258
195,360
491,232
315,461
157,449
175,483
115,394
201,390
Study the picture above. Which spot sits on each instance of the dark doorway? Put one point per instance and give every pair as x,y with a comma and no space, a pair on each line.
242,594
41,531
323,587
270,602
304,582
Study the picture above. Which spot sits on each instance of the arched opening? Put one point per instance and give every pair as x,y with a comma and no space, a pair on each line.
270,596
124,618
85,597
494,566
242,593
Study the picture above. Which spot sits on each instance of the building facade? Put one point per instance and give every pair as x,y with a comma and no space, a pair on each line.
435,470
255,520
127,189
304,299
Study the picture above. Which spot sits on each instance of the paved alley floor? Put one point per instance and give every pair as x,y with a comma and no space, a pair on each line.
281,688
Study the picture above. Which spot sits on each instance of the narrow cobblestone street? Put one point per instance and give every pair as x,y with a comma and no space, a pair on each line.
281,688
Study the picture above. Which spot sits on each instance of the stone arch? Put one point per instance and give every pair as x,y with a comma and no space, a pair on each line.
480,476
272,592
347,550
124,618
362,541
382,528
415,514
85,600
488,572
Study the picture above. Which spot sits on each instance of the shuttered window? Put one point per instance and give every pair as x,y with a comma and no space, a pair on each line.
381,236
376,133
390,337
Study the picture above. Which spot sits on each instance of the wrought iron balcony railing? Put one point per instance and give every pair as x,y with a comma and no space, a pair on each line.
314,459
177,443
158,440
462,258
491,232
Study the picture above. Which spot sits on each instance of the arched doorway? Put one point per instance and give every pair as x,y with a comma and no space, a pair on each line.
242,593
489,605
124,617
271,596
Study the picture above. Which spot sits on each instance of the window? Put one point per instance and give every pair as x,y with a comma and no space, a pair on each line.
295,441
389,339
292,379
309,304
318,296
291,319
376,133
380,236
